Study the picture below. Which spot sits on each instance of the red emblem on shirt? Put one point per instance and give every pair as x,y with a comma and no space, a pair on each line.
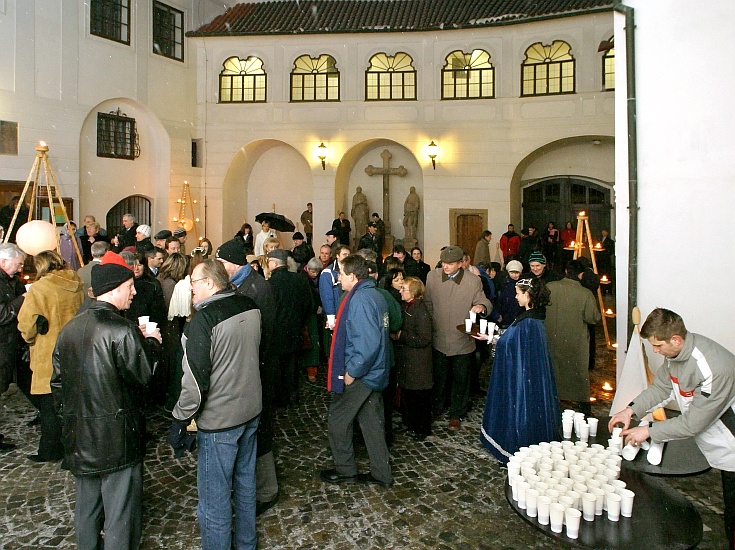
682,392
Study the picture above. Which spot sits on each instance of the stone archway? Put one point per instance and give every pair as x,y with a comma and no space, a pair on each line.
263,173
587,157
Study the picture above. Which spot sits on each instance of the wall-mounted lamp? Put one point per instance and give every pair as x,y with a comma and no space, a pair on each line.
322,154
433,149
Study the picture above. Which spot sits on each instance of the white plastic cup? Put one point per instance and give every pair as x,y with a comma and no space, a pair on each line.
553,495
576,499
150,327
629,451
617,431
521,489
608,489
331,319
589,502
543,503
600,496
473,316
584,431
483,326
626,502
514,468
655,453
567,425
490,328
619,485
572,517
556,517
613,506
468,325
531,502
541,487
514,480
143,319
592,423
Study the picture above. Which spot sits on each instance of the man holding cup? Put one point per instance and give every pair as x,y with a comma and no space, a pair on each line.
102,364
450,293
700,374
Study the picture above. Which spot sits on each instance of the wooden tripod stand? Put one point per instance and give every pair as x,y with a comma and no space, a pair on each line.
584,234
52,190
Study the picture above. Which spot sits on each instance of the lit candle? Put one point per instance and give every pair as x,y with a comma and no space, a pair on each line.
607,387
604,279
598,245
608,311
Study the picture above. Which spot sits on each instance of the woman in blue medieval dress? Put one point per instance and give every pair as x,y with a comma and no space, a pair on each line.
522,406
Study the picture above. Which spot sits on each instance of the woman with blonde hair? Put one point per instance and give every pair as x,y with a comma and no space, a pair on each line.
50,303
174,278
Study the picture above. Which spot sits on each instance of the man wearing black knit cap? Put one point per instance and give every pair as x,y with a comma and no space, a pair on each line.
102,365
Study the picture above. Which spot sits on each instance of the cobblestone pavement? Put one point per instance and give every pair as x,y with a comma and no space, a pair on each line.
448,491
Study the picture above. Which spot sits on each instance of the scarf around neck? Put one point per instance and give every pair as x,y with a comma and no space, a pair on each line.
337,360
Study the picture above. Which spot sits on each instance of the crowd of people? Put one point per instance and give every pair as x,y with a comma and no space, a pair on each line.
223,338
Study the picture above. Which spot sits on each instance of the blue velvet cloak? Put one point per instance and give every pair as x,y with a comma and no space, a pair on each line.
522,406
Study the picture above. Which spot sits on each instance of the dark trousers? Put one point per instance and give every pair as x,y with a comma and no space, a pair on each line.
728,495
287,387
416,410
115,500
452,383
51,446
361,403
593,346
389,398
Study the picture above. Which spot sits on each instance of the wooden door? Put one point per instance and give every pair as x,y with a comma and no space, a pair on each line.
469,231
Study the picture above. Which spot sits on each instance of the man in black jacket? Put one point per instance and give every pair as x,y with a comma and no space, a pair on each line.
12,292
102,365
292,296
126,237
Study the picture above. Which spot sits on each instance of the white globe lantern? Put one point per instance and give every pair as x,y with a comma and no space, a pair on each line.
36,236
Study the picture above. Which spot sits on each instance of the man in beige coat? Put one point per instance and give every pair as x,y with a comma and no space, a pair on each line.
451,293
572,308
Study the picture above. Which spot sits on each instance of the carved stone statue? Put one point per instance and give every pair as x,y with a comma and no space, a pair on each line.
360,213
411,218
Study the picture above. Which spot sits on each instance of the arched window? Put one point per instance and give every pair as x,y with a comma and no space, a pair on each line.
548,70
468,76
242,81
315,79
608,66
390,78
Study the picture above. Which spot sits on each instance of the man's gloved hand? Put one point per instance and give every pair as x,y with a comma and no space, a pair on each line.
181,440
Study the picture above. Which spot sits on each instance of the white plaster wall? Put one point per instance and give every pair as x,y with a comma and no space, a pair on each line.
481,142
53,73
686,165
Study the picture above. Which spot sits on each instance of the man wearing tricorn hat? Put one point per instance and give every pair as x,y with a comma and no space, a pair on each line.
102,365
452,292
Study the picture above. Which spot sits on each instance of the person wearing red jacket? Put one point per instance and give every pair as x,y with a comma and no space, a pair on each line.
510,243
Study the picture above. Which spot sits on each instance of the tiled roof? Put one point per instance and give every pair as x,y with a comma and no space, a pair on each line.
348,16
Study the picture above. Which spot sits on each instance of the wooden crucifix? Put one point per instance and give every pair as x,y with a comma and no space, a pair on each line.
386,171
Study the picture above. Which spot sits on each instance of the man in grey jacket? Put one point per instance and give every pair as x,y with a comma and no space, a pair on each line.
700,374
221,389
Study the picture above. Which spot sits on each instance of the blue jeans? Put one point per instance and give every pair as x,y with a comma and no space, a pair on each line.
226,476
